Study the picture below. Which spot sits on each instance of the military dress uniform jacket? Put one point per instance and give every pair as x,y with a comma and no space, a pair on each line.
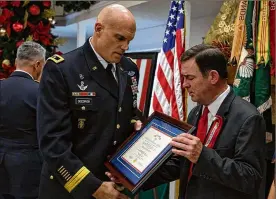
20,159
82,120
234,169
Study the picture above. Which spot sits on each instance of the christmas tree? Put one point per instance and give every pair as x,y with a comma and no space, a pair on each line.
24,21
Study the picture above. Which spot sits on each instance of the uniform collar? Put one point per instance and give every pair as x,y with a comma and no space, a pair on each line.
100,58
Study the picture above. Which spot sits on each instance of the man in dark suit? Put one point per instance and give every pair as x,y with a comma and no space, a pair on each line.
224,158
86,109
20,159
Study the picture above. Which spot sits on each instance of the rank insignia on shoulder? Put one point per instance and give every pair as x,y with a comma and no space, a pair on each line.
56,58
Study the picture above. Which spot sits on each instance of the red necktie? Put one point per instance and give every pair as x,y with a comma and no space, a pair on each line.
201,132
203,125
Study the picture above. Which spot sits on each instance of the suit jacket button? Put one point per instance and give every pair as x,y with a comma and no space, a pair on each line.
51,177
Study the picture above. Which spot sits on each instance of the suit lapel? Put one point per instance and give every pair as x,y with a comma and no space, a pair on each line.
96,69
122,82
195,117
225,106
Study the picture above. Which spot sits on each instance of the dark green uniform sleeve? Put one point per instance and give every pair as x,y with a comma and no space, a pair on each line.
55,135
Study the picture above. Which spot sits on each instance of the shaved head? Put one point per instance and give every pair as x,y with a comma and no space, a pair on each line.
114,14
114,29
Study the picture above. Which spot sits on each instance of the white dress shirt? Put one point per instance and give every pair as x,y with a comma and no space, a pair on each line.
214,106
24,72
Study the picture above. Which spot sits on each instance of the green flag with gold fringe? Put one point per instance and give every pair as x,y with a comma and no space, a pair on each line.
245,71
262,74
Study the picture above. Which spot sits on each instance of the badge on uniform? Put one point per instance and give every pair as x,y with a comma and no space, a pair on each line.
83,101
134,103
81,123
134,86
82,86
134,89
131,73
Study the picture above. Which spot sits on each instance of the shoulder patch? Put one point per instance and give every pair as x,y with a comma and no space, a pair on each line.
56,58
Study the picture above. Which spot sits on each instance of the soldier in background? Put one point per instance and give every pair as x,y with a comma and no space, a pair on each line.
20,159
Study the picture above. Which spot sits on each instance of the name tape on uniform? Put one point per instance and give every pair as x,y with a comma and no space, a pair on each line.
84,101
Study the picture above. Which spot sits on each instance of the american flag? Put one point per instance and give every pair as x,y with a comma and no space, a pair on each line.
167,91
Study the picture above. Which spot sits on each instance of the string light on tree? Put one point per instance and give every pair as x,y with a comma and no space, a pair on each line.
2,32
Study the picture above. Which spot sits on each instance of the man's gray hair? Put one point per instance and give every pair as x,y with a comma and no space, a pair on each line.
30,51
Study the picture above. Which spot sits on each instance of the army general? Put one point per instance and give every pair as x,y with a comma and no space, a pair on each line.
86,109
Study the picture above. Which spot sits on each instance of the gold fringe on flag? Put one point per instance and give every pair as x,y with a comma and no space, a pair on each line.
222,28
262,53
221,33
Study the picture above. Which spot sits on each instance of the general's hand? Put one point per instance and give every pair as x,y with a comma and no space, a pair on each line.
188,146
112,177
107,191
138,125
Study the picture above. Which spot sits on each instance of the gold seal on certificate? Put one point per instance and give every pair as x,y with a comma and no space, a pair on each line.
139,156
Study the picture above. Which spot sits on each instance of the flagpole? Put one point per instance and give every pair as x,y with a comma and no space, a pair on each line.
174,192
190,103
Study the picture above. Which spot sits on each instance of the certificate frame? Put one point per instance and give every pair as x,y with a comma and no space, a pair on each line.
146,150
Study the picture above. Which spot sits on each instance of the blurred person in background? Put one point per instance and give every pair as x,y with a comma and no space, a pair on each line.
20,158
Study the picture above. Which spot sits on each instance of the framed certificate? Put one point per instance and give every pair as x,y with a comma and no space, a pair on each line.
140,155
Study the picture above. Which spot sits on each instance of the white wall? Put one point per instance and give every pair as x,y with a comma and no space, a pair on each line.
199,28
151,21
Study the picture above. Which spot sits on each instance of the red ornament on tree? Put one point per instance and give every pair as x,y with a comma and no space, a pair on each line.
17,27
46,3
34,10
6,64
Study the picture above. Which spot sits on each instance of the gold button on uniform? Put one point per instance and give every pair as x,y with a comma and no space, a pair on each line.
51,177
118,126
120,109
115,142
